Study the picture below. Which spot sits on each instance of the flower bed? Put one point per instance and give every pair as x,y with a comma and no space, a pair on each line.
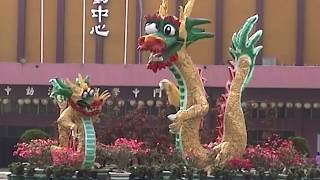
275,159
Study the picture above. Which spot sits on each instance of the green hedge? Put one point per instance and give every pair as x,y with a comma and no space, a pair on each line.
31,134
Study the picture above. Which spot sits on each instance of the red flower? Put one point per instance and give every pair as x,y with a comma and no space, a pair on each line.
239,163
66,156
275,153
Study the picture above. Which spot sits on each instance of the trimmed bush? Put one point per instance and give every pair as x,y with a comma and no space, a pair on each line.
300,144
31,134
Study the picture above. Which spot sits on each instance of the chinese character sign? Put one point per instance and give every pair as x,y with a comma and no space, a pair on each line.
100,13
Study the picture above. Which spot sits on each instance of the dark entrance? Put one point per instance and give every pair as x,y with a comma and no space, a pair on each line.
6,150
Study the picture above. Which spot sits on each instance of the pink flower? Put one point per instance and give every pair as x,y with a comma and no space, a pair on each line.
66,156
239,163
36,151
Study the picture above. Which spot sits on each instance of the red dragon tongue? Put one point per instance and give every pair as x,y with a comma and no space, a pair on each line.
153,66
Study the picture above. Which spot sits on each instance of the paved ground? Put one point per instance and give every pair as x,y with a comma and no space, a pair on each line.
3,174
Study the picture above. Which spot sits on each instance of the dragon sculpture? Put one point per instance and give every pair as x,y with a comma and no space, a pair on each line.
79,105
167,38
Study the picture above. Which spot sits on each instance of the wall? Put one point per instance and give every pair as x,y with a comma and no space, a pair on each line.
280,20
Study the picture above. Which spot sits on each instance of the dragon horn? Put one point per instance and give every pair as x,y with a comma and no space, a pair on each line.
163,9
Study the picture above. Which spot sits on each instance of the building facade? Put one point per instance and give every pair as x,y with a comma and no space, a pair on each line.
42,39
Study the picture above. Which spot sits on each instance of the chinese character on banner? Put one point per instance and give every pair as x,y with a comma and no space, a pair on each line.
29,91
100,28
100,1
8,90
157,91
116,92
136,91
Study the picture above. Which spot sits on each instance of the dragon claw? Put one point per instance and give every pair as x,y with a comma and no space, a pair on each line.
174,128
163,83
172,117
244,44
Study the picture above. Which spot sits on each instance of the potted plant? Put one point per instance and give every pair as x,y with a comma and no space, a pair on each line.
29,172
145,172
17,170
176,170
157,172
48,172
57,172
68,172
83,174
313,173
137,172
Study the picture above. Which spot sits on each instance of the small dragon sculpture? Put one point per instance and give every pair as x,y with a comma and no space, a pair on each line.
167,38
79,106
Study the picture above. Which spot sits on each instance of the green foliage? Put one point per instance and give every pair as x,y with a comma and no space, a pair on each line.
48,171
16,168
31,134
57,171
83,173
142,171
300,144
295,173
222,172
68,171
313,173
30,170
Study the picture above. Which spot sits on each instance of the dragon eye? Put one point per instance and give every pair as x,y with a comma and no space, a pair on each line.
85,94
169,30
151,28
91,92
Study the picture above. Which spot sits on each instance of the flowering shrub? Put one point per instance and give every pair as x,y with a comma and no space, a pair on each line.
239,163
36,152
134,146
122,152
65,156
137,124
274,154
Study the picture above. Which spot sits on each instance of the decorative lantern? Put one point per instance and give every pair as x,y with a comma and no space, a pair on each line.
121,103
140,104
307,105
289,105
159,103
150,102
109,102
44,101
255,105
36,101
5,101
298,105
273,104
27,101
280,104
20,102
132,102
316,105
263,105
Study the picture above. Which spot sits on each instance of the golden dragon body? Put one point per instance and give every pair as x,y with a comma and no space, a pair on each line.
190,96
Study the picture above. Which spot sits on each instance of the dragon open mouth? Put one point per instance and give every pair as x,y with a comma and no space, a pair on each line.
157,48
87,110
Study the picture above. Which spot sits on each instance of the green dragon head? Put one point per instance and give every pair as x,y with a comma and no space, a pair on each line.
165,35
80,95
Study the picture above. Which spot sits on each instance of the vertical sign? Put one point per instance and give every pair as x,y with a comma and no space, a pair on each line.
100,29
